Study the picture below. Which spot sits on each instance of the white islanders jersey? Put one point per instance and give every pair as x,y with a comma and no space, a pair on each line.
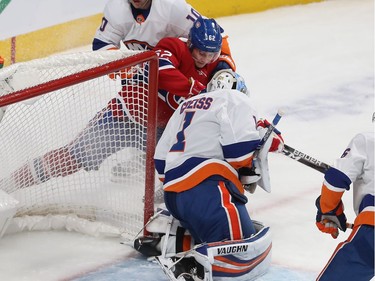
167,18
209,134
357,163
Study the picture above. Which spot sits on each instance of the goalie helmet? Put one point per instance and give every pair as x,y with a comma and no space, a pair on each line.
227,79
205,35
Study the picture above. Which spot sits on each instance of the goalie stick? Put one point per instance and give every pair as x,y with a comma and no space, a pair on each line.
269,131
305,159
261,164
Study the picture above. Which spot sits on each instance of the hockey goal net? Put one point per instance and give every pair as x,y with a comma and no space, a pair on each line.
77,141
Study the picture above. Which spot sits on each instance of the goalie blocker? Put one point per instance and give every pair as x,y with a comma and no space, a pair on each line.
175,252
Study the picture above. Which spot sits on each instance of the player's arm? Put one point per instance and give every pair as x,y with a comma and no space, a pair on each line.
171,78
337,179
182,17
330,210
239,136
109,34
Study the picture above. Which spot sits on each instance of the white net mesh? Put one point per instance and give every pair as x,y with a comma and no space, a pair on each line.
81,149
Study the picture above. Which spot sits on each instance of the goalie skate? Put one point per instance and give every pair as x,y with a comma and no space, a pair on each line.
182,269
128,167
147,245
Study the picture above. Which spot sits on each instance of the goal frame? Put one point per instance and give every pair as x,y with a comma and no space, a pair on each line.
148,56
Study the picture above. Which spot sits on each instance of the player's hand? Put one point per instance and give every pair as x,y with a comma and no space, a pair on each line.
195,88
332,221
277,144
126,73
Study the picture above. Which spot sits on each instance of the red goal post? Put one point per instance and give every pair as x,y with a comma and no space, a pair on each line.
78,141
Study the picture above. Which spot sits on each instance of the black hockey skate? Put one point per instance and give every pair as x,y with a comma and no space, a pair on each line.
146,245
190,269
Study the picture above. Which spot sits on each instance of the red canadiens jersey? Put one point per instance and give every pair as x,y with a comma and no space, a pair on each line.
176,66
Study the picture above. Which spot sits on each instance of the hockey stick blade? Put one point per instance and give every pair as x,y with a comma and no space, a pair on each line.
305,159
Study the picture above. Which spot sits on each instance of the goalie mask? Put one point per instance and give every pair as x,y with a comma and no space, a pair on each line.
227,79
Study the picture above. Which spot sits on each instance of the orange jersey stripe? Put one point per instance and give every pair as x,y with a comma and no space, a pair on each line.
365,217
329,199
232,214
196,176
243,163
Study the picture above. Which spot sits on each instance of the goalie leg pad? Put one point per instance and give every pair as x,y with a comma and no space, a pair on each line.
249,257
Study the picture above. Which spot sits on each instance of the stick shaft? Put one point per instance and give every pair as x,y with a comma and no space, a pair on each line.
268,133
305,159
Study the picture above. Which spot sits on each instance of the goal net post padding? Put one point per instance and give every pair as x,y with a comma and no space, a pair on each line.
77,141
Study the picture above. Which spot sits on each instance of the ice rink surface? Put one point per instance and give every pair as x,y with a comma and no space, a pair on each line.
316,62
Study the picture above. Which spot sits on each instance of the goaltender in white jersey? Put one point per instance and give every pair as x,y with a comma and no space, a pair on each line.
207,140
140,28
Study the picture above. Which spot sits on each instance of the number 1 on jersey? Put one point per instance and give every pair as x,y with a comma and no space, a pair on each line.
180,144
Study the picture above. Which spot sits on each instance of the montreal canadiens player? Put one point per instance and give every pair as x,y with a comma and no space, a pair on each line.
185,68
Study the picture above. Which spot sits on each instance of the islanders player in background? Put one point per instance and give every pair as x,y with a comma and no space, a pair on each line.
353,259
141,24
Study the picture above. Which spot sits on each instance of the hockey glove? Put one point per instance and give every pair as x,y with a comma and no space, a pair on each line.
249,178
195,88
277,144
331,221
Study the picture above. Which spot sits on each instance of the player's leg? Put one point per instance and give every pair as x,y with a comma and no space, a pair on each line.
353,259
212,211
105,135
248,258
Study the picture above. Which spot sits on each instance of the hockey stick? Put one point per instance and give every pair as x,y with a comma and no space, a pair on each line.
246,172
311,162
269,131
305,159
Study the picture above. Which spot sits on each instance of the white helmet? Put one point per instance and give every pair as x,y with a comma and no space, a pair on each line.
227,79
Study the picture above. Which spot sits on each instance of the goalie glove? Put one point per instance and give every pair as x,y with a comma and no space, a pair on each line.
277,144
331,222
